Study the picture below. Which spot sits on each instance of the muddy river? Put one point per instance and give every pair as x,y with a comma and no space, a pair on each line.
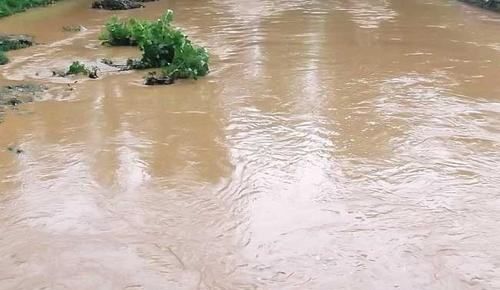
336,144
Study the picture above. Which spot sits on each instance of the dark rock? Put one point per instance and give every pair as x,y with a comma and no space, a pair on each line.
136,64
116,4
487,4
153,79
93,72
11,42
121,65
15,150
13,101
107,61
59,73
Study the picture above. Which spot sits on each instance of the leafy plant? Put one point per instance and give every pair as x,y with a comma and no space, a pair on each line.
77,68
162,45
123,33
189,62
8,7
116,32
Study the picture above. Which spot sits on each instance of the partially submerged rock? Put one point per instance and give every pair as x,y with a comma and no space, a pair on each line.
93,72
14,95
11,42
77,68
16,150
116,4
153,79
59,73
129,64
487,4
74,28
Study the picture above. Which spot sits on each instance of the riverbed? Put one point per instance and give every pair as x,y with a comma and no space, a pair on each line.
334,145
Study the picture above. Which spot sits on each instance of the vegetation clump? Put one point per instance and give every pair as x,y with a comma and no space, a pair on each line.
162,45
3,58
77,68
9,7
123,33
12,42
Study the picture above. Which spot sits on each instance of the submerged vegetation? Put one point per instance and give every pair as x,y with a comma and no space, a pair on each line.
9,7
162,45
12,42
487,4
3,58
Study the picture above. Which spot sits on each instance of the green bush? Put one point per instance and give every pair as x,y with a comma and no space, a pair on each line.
13,43
162,45
122,33
8,7
3,58
77,68
116,33
189,62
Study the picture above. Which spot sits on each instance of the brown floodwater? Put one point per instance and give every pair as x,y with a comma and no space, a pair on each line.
336,144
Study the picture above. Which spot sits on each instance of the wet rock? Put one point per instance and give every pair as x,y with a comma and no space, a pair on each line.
93,72
153,79
107,61
74,28
136,64
122,65
59,73
17,94
15,150
116,4
11,42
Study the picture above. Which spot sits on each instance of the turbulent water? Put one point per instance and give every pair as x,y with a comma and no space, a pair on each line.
349,144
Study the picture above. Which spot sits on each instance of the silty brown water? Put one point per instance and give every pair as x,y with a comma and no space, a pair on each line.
335,145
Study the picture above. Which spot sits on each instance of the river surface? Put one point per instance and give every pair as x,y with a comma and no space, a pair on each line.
349,144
